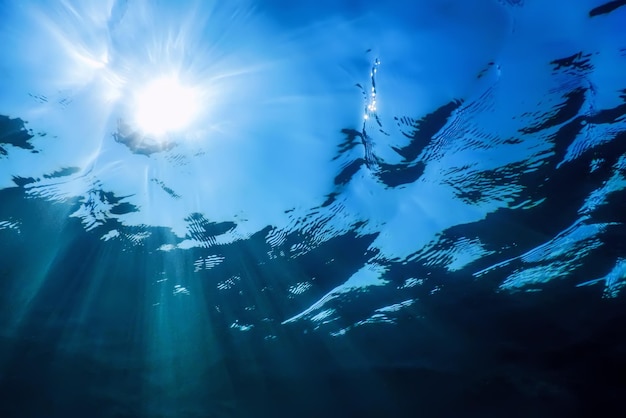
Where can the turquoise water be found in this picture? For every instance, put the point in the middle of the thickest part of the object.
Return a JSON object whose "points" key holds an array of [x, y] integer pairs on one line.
{"points": [[284, 209]]}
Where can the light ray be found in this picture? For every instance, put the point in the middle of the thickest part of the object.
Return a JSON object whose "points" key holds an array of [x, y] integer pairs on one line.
{"points": [[165, 105]]}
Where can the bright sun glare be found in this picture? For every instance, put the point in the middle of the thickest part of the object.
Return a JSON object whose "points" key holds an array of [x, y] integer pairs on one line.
{"points": [[164, 106]]}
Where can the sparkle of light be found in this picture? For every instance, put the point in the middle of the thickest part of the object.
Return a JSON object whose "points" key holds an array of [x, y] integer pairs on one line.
{"points": [[165, 106]]}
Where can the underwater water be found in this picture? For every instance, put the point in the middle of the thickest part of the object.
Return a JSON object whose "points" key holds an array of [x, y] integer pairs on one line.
{"points": [[312, 209]]}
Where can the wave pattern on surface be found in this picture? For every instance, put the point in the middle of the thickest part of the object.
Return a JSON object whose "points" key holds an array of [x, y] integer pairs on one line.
{"points": [[368, 207]]}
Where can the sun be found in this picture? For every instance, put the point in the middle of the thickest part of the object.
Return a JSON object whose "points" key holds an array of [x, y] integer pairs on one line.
{"points": [[164, 106]]}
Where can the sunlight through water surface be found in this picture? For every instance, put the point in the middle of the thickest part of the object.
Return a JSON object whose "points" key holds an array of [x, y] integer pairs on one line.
{"points": [[245, 208], [165, 105]]}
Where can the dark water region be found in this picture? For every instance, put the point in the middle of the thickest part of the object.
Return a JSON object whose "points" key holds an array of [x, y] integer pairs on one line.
{"points": [[464, 258], [607, 8], [87, 347], [14, 133]]}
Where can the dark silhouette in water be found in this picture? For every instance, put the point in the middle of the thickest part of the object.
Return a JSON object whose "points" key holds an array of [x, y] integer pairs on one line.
{"points": [[606, 8]]}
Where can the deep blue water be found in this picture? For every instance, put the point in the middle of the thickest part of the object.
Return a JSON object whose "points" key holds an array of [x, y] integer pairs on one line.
{"points": [[410, 209]]}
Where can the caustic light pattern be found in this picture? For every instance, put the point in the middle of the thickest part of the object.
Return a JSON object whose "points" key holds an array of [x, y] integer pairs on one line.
{"points": [[260, 190]]}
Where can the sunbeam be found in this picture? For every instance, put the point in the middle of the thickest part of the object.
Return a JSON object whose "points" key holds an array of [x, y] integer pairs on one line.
{"points": [[317, 209], [165, 105]]}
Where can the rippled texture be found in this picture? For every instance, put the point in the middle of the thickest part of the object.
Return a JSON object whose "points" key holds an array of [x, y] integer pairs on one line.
{"points": [[399, 209]]}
